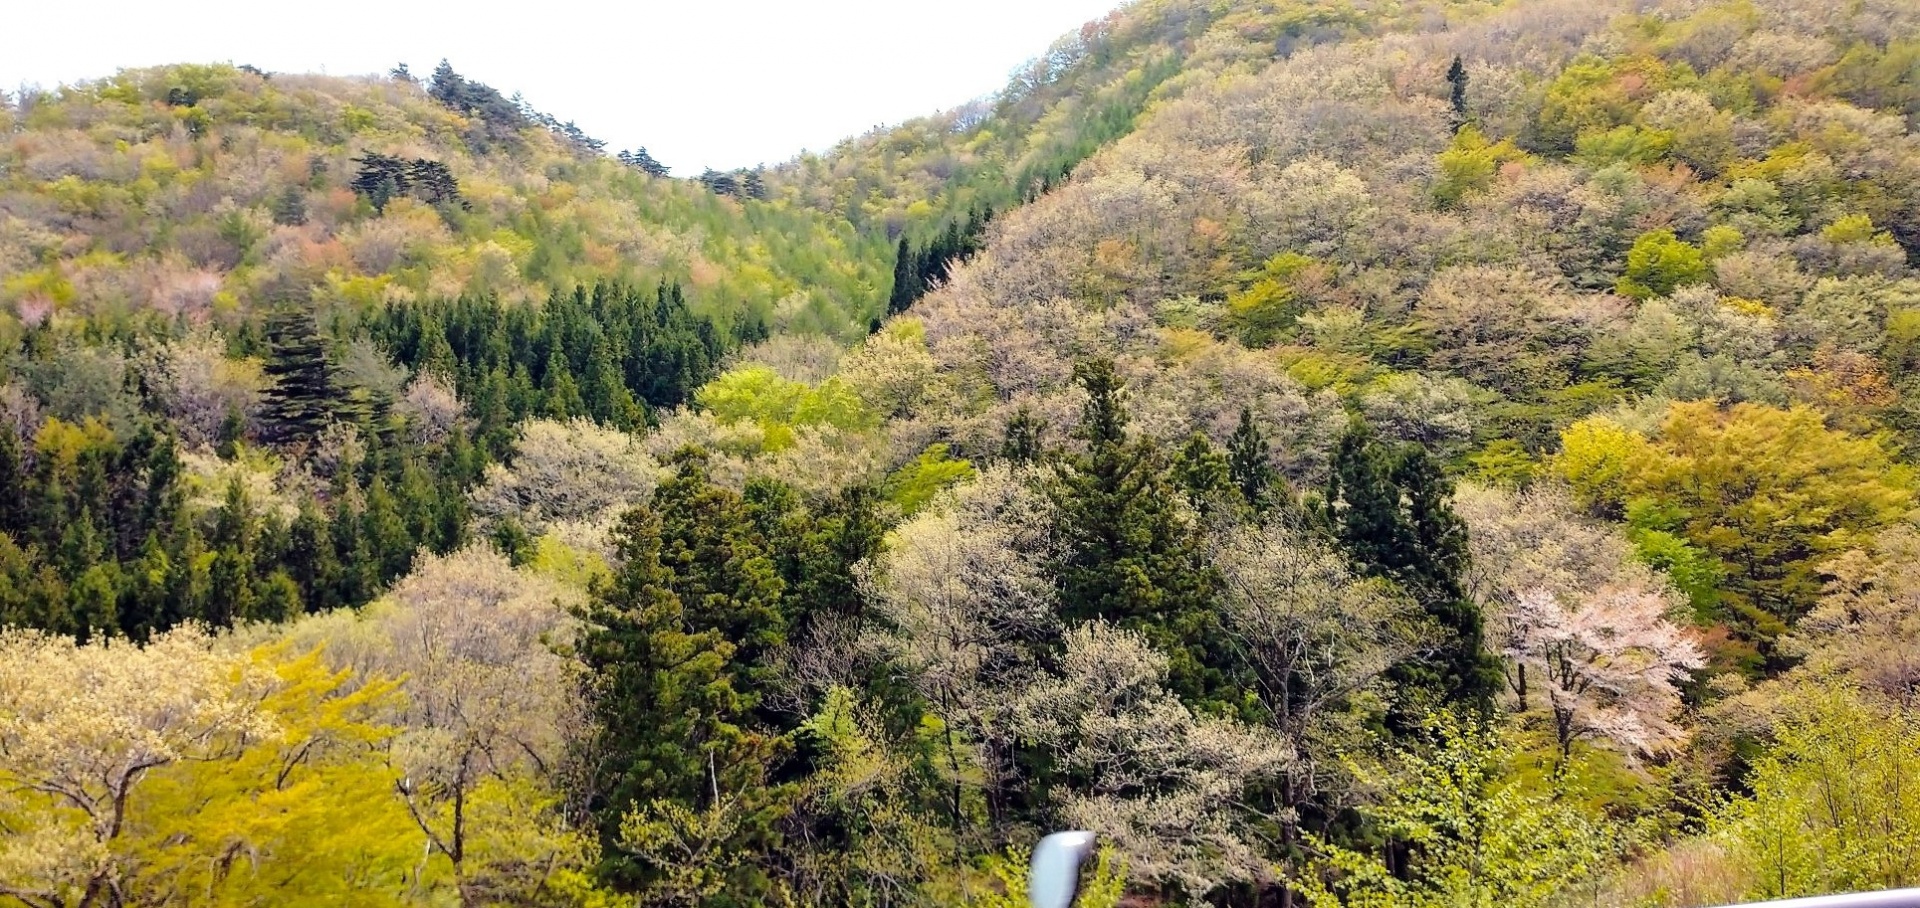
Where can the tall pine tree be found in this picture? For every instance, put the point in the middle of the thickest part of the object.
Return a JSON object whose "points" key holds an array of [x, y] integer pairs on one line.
{"points": [[1389, 509], [1249, 463], [674, 733], [1457, 91], [303, 395], [1134, 555]]}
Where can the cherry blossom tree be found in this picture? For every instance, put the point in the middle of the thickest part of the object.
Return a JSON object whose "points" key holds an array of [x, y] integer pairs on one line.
{"points": [[1606, 664]]}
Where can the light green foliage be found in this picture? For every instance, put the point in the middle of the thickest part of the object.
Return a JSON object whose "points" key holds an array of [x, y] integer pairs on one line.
{"points": [[1720, 240], [1660, 263], [1835, 803], [1482, 835], [1268, 306], [553, 556], [1692, 571], [1286, 212], [1593, 95], [1469, 166], [1724, 479], [913, 486], [104, 164], [1855, 228], [1623, 144], [1102, 884], [757, 394]]}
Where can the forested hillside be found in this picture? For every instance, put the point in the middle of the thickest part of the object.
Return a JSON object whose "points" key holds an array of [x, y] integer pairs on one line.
{"points": [[197, 190], [1432, 454]]}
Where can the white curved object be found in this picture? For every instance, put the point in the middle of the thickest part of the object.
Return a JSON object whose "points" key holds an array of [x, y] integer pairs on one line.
{"points": [[1054, 878]]}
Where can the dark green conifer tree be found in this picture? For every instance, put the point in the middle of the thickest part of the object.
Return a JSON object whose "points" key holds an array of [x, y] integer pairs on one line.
{"points": [[302, 398], [93, 600], [903, 279], [188, 578], [311, 561], [719, 564], [1022, 444], [380, 179], [384, 531], [1457, 91], [230, 594], [1250, 463], [14, 482], [1133, 556], [144, 600], [672, 726], [1202, 472], [1388, 508]]}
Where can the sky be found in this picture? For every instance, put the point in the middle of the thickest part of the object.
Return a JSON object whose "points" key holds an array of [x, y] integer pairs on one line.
{"points": [[714, 83]]}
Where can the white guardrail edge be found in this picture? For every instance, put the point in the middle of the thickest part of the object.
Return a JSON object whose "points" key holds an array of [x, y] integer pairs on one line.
{"points": [[1054, 880]]}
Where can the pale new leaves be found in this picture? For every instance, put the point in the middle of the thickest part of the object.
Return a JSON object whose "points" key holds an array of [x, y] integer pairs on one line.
{"points": [[81, 728], [1164, 786]]}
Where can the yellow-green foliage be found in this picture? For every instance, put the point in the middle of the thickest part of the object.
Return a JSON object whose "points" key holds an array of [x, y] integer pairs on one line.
{"points": [[1660, 263], [1483, 834], [1268, 306], [1470, 164], [313, 811], [1594, 95], [914, 485], [554, 556], [1767, 491], [1834, 804], [757, 394]]}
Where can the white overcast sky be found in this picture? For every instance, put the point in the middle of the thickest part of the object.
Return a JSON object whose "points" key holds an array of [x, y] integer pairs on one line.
{"points": [[721, 83]]}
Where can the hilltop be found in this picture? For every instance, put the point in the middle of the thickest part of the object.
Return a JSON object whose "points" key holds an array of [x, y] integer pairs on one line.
{"points": [[190, 190]]}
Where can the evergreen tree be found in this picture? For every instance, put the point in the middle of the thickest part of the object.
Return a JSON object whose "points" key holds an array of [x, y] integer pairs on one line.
{"points": [[233, 430], [447, 87], [187, 579], [816, 551], [673, 730], [1457, 93], [903, 279], [359, 570], [1022, 442], [380, 179], [1388, 508], [1203, 473], [145, 597], [230, 594], [303, 395], [640, 160], [434, 183], [93, 601], [1249, 462], [717, 561], [289, 208], [311, 562], [720, 183], [1133, 555], [14, 482], [80, 545], [384, 532]]}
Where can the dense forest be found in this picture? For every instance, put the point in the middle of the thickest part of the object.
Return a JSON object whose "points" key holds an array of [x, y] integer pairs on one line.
{"points": [[1434, 454]]}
